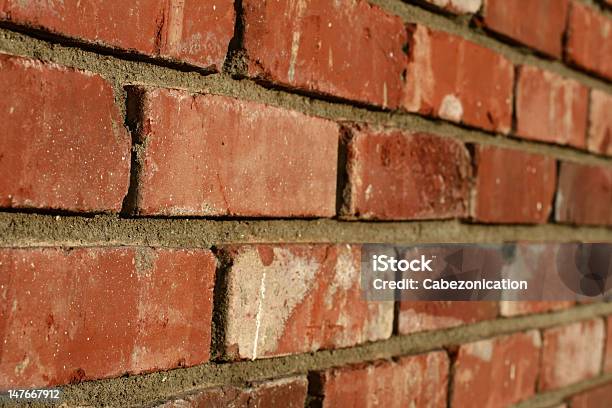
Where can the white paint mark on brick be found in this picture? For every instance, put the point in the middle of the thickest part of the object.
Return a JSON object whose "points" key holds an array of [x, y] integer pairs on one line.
{"points": [[451, 108]]}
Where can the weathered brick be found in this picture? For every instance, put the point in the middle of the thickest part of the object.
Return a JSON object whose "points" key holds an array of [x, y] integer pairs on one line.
{"points": [[589, 44], [598, 397], [414, 381], [347, 48], [551, 108], [458, 6], [70, 315], [517, 308], [584, 194], [285, 392], [397, 175], [194, 31], [458, 80], [537, 24], [420, 316], [214, 155], [600, 120], [512, 186], [607, 365], [496, 372], [571, 353], [286, 299], [62, 145]]}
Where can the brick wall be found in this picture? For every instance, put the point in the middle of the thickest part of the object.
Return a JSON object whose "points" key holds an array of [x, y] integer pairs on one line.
{"points": [[185, 185]]}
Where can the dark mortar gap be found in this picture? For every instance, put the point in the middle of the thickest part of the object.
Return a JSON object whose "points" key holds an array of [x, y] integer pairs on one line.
{"points": [[236, 58], [220, 297], [316, 384], [342, 179], [553, 204]]}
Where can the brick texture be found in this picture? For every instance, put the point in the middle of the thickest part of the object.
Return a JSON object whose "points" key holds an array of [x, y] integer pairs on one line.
{"points": [[347, 49], [433, 315], [607, 365], [537, 24], [599, 397], [458, 6], [588, 44], [415, 381], [457, 80], [512, 186], [584, 194], [72, 315], [550, 108], [288, 299], [397, 175], [496, 372], [194, 31], [63, 143], [571, 353], [214, 155], [600, 119]]}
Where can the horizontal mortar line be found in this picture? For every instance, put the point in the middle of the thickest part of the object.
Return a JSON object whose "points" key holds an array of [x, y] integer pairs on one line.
{"points": [[123, 72], [142, 389], [549, 399], [40, 230]]}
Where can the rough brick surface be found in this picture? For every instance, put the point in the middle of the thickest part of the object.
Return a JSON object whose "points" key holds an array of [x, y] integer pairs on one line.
{"points": [[551, 108], [517, 308], [571, 353], [348, 49], [512, 186], [600, 119], [584, 194], [457, 80], [458, 6], [537, 24], [420, 316], [63, 144], [286, 392], [288, 299], [195, 31], [396, 175], [589, 43], [599, 397], [496, 372], [415, 381], [214, 155], [70, 315], [607, 366]]}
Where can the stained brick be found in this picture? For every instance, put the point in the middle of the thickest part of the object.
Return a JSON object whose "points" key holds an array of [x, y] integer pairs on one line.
{"points": [[458, 6], [607, 365], [598, 397], [600, 119], [433, 315]]}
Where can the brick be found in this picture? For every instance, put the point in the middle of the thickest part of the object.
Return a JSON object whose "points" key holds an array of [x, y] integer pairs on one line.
{"points": [[598, 397], [63, 143], [496, 372], [584, 194], [286, 392], [458, 6], [457, 80], [88, 313], [434, 315], [214, 155], [537, 24], [347, 48], [287, 299], [517, 308], [607, 365], [571, 353], [398, 175], [600, 120], [512, 186], [194, 31], [414, 381], [588, 43], [550, 108]]}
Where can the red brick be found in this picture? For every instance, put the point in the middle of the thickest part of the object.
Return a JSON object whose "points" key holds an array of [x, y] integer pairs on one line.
{"points": [[599, 397], [195, 31], [550, 108], [457, 80], [421, 316], [418, 381], [71, 315], [345, 48], [214, 155], [517, 308], [63, 142], [512, 186], [537, 24], [607, 365], [589, 42], [397, 175], [496, 372], [600, 120], [584, 194], [286, 299], [571, 353], [458, 6], [286, 392]]}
